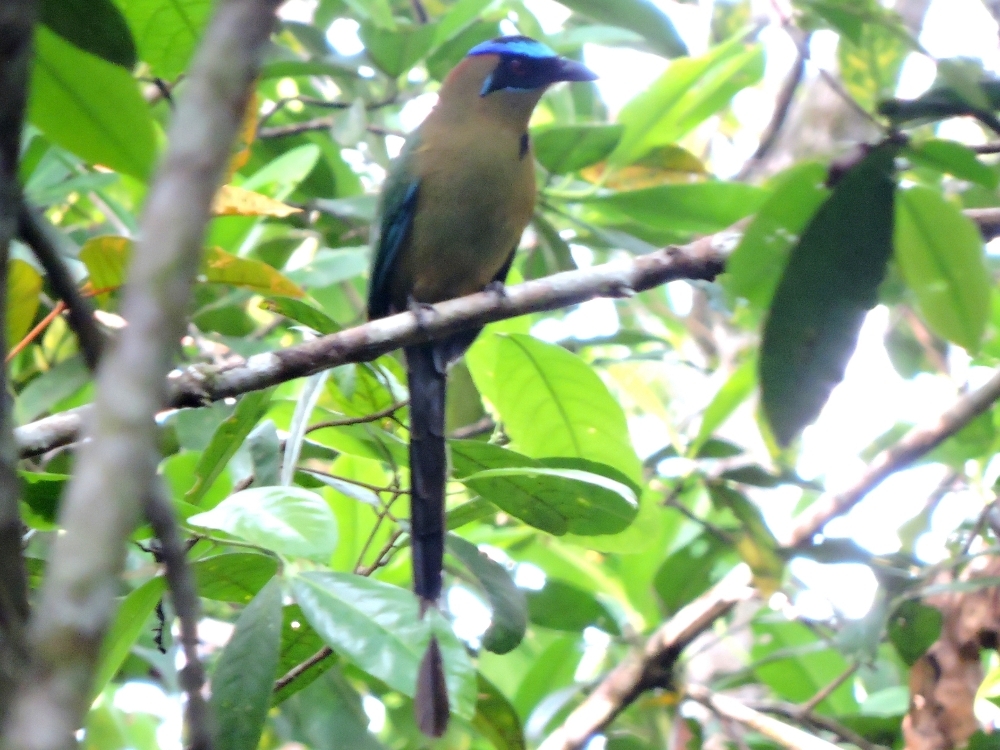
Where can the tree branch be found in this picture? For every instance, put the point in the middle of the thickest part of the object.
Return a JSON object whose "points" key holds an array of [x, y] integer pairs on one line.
{"points": [[628, 680], [187, 605], [17, 17], [652, 666], [198, 385], [783, 734], [34, 231], [116, 469], [201, 384], [916, 443]]}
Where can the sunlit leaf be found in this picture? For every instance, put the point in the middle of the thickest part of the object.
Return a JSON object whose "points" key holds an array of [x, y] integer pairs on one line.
{"points": [[24, 284], [940, 253], [224, 268], [90, 107], [378, 627], [291, 521], [236, 201]]}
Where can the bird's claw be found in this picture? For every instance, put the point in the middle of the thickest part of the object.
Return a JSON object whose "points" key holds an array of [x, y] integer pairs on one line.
{"points": [[423, 311], [498, 288]]}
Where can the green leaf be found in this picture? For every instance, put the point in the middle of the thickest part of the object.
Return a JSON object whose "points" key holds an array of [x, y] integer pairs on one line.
{"points": [[554, 500], [226, 440], [299, 642], [562, 606], [460, 15], [166, 31], [24, 284], [331, 266], [940, 253], [302, 313], [396, 51], [379, 628], [688, 572], [733, 392], [702, 208], [95, 26], [244, 676], [568, 148], [640, 16], [496, 719], [42, 492], [954, 159], [507, 605], [221, 267], [688, 92], [90, 107], [870, 69], [552, 403], [830, 283], [234, 576], [279, 177], [125, 629], [51, 387], [796, 665], [913, 628], [291, 521], [755, 267]]}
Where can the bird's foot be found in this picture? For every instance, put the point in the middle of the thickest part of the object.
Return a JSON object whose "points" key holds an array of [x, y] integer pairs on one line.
{"points": [[496, 287], [423, 311]]}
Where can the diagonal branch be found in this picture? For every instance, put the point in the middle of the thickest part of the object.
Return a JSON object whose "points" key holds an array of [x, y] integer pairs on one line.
{"points": [[116, 468], [41, 238], [200, 384], [16, 20], [628, 680]]}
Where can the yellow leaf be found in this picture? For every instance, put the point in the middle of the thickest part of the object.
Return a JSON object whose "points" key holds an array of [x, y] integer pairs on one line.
{"points": [[246, 137], [224, 268], [106, 259], [663, 165], [235, 201], [24, 284]]}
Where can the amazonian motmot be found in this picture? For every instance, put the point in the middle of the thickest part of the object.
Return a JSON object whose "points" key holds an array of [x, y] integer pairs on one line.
{"points": [[453, 208]]}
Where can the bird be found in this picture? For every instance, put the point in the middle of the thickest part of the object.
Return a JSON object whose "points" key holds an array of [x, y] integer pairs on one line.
{"points": [[452, 210]]}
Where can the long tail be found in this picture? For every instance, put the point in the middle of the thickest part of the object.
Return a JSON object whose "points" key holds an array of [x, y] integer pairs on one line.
{"points": [[426, 371]]}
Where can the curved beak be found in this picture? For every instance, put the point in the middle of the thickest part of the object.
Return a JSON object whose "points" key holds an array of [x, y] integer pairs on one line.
{"points": [[571, 70]]}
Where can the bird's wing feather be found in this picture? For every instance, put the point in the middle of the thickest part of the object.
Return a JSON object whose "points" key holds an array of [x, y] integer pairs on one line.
{"points": [[399, 204]]}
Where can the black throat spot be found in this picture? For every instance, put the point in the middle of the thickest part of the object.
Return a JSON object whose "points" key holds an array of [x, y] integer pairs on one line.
{"points": [[525, 144]]}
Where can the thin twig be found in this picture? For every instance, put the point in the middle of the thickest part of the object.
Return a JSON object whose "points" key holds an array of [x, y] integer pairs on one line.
{"points": [[384, 555], [916, 443], [299, 669], [187, 606], [35, 233], [816, 721], [783, 734], [821, 695], [479, 427], [782, 106], [36, 331], [373, 417]]}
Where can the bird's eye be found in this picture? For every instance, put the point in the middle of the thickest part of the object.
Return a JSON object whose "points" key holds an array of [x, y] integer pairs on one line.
{"points": [[517, 67]]}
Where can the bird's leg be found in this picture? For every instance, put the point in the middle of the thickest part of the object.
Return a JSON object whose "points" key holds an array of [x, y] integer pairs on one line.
{"points": [[423, 311], [496, 287]]}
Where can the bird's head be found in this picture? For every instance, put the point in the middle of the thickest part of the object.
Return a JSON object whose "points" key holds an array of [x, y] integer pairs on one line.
{"points": [[523, 64], [504, 78]]}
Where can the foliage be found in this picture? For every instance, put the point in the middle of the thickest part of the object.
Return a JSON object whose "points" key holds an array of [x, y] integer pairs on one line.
{"points": [[617, 478]]}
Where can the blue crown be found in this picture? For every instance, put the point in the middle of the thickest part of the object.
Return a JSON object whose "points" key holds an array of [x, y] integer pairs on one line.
{"points": [[513, 45]]}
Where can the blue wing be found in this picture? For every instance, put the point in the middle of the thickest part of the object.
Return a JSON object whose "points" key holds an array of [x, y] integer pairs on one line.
{"points": [[398, 207]]}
